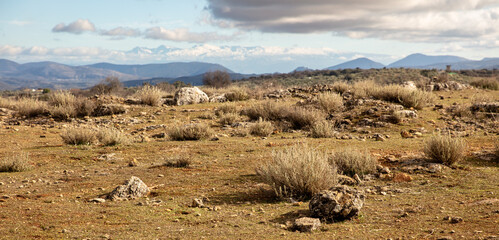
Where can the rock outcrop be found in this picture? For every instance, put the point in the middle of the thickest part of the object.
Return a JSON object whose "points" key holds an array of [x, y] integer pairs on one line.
{"points": [[190, 95], [336, 204], [131, 189]]}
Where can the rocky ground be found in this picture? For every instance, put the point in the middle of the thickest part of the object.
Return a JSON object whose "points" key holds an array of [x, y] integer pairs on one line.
{"points": [[71, 191]]}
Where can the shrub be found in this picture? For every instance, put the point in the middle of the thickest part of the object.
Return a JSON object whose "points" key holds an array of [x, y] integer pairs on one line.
{"points": [[111, 137], [228, 118], [303, 118], [17, 163], [416, 99], [330, 102], [271, 111], [30, 107], [226, 108], [78, 136], [323, 129], [84, 107], [261, 128], [62, 112], [190, 132], [298, 171], [351, 162], [237, 94], [444, 149], [178, 163], [110, 85], [340, 87], [61, 98], [150, 95], [486, 83], [6, 103], [217, 79]]}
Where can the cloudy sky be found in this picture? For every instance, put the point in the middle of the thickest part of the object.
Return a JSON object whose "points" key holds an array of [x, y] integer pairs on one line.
{"points": [[246, 36]]}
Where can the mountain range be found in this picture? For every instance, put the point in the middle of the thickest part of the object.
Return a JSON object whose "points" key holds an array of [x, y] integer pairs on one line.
{"points": [[55, 75]]}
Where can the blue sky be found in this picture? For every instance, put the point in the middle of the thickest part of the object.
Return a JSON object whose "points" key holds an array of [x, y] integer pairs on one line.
{"points": [[246, 36]]}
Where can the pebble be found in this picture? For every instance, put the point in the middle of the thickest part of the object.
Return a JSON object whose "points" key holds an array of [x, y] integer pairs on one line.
{"points": [[98, 200]]}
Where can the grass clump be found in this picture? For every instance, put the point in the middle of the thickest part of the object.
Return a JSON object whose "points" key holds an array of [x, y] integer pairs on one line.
{"points": [[297, 117], [261, 128], [178, 163], [298, 171], [486, 83], [78, 136], [301, 118], [351, 162], [228, 118], [323, 129], [150, 95], [17, 163], [190, 132], [237, 94], [226, 108], [111, 137], [444, 149], [31, 107], [330, 102]]}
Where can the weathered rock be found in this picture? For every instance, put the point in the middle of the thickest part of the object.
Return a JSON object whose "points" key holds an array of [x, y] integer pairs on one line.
{"points": [[410, 85], [197, 202], [406, 134], [132, 188], [346, 180], [407, 113], [97, 200], [218, 99], [337, 204], [402, 177], [306, 224], [190, 95]]}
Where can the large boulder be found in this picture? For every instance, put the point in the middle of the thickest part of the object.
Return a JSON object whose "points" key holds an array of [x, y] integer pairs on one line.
{"points": [[336, 204], [190, 95], [131, 189]]}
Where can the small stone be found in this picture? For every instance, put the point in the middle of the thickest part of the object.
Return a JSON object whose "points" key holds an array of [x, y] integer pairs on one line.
{"points": [[198, 203], [98, 200], [161, 175], [306, 224], [456, 220]]}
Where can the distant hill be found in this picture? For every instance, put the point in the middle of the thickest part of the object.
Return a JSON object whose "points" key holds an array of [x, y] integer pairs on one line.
{"points": [[165, 70], [486, 63], [301, 69], [362, 63], [56, 75], [418, 60], [196, 80]]}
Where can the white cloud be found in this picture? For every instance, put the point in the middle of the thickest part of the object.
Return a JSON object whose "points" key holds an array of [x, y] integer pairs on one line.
{"points": [[409, 20], [121, 32], [77, 27], [8, 50]]}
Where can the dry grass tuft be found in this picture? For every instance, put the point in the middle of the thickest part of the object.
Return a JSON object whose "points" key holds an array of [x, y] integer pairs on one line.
{"points": [[298, 117], [228, 118], [301, 118], [17, 163], [190, 132], [237, 94], [31, 107], [445, 149], [78, 136], [111, 137], [486, 83], [351, 162], [61, 98], [150, 95], [261, 128], [226, 108], [298, 171], [330, 102], [6, 103], [323, 129], [180, 162]]}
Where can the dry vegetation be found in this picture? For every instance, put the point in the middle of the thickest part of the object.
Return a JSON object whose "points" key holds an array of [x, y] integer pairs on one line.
{"points": [[254, 161]]}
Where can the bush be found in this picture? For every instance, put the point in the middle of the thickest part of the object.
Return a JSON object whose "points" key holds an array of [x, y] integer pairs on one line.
{"points": [[150, 95], [444, 149], [190, 132], [62, 112], [351, 162], [84, 107], [486, 83], [323, 129], [111, 137], [228, 118], [78, 136], [226, 108], [237, 94], [6, 103], [298, 171], [31, 107], [110, 85], [61, 98], [298, 117], [301, 118], [330, 102], [17, 163], [217, 79], [261, 128]]}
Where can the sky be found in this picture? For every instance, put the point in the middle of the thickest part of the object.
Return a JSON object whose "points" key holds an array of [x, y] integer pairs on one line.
{"points": [[253, 36]]}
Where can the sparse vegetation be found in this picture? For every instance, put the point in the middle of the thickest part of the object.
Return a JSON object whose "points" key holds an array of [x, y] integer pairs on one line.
{"points": [[15, 163], [444, 149], [323, 129], [228, 118], [486, 83], [150, 95], [78, 136], [352, 161], [180, 162], [226, 108], [330, 102], [190, 132], [261, 128], [30, 107], [298, 171], [111, 136]]}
